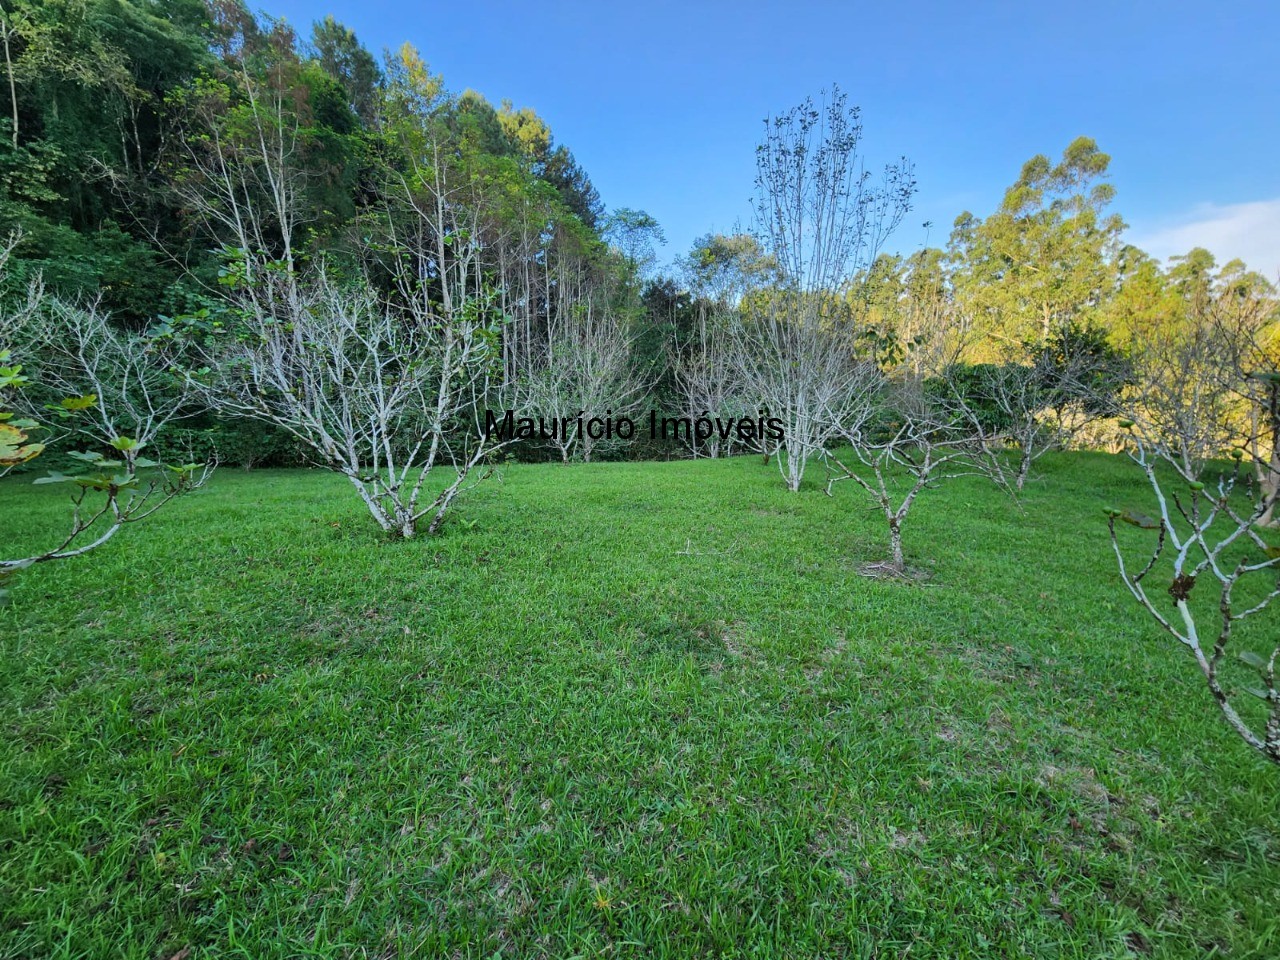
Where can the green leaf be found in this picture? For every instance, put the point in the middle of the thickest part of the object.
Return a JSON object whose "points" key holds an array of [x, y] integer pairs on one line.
{"points": [[96, 459], [124, 443], [79, 403]]}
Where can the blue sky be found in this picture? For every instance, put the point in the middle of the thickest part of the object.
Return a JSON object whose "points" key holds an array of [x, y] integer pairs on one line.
{"points": [[662, 102]]}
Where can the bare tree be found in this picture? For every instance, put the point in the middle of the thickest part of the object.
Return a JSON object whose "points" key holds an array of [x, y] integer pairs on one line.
{"points": [[237, 168], [1035, 407], [1208, 532], [1011, 398], [719, 271], [586, 370], [1206, 389], [381, 376], [707, 382], [909, 433], [76, 354], [381, 391], [1203, 384], [911, 424], [805, 374], [90, 381], [822, 218], [1240, 316]]}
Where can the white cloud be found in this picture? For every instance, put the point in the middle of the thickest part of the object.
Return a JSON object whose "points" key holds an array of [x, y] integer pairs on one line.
{"points": [[1248, 231]]}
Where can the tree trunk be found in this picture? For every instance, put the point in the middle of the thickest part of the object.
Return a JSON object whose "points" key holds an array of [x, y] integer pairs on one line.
{"points": [[1268, 483], [895, 544], [1269, 476], [795, 471], [13, 90]]}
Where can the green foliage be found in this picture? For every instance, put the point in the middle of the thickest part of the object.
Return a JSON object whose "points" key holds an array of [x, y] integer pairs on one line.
{"points": [[979, 385], [1080, 364], [16, 447], [341, 56], [1047, 256], [110, 93]]}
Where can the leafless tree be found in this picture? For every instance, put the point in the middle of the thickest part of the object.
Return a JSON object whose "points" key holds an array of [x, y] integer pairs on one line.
{"points": [[379, 390], [586, 370], [1241, 317], [382, 376], [243, 182], [707, 382], [719, 272], [1037, 397], [1206, 384], [909, 433], [807, 374], [73, 351], [88, 380], [822, 217], [1207, 531], [1207, 390], [911, 425], [1013, 400]]}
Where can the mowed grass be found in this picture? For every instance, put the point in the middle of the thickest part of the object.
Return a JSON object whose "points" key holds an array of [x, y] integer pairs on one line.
{"points": [[618, 710]]}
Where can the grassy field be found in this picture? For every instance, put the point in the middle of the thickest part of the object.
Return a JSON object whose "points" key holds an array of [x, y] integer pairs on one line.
{"points": [[618, 710]]}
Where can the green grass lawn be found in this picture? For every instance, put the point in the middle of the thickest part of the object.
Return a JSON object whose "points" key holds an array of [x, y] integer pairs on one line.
{"points": [[618, 710]]}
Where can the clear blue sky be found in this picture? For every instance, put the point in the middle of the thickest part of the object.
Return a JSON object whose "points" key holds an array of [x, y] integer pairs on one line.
{"points": [[662, 102]]}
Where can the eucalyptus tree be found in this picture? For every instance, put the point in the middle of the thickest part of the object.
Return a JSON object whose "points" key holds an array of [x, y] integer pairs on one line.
{"points": [[636, 236], [1048, 254]]}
